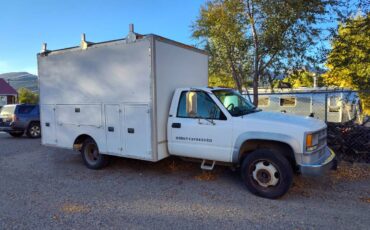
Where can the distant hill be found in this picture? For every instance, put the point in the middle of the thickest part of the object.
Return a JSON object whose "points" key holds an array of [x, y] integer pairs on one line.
{"points": [[21, 80]]}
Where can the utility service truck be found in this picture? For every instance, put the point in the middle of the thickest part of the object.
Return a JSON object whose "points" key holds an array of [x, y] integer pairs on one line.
{"points": [[146, 97]]}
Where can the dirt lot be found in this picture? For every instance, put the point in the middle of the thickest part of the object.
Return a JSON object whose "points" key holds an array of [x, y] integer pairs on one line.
{"points": [[48, 188]]}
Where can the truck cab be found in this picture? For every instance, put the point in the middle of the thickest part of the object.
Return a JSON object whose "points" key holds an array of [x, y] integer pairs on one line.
{"points": [[218, 125]]}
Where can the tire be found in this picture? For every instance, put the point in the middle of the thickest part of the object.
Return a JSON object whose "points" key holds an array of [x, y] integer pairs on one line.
{"points": [[267, 173], [16, 134], [34, 130], [91, 156]]}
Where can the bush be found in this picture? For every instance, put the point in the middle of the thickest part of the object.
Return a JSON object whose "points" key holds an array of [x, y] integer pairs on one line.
{"points": [[26, 96]]}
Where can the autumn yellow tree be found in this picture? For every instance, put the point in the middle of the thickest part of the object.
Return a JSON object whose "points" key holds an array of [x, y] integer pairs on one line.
{"points": [[349, 59]]}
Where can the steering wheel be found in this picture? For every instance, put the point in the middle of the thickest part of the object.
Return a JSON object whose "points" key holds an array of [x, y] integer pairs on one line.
{"points": [[231, 106]]}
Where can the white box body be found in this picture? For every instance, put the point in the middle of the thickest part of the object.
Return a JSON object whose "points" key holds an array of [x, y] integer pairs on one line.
{"points": [[116, 92]]}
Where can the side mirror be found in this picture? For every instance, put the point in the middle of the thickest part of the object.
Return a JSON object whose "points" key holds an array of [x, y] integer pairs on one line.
{"points": [[191, 104]]}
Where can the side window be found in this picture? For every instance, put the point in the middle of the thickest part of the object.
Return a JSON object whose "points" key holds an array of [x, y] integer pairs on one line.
{"points": [[206, 107], [25, 109], [263, 101], [334, 104], [288, 101]]}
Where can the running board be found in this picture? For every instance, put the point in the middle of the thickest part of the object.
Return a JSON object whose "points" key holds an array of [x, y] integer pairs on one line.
{"points": [[207, 165]]}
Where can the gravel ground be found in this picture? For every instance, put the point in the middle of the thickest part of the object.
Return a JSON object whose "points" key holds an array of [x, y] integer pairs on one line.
{"points": [[49, 188]]}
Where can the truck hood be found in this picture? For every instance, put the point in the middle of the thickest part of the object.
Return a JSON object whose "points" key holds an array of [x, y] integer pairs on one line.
{"points": [[284, 120]]}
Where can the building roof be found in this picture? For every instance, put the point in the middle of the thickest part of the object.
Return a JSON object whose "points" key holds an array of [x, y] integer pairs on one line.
{"points": [[6, 89]]}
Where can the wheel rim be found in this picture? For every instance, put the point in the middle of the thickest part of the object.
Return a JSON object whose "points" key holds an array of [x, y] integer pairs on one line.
{"points": [[35, 130], [265, 174], [91, 153]]}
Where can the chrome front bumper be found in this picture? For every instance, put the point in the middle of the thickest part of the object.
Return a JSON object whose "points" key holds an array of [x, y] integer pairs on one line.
{"points": [[326, 163]]}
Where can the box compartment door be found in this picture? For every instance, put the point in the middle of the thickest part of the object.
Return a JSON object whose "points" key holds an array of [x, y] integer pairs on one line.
{"points": [[113, 129], [48, 125], [137, 135]]}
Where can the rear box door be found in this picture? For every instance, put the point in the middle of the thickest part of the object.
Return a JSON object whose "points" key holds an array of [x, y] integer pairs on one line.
{"points": [[48, 129]]}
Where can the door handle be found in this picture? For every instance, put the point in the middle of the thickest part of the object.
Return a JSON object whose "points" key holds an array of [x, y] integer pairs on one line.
{"points": [[111, 129], [176, 125]]}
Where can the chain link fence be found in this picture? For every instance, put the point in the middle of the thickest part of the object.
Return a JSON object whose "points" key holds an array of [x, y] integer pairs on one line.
{"points": [[342, 109]]}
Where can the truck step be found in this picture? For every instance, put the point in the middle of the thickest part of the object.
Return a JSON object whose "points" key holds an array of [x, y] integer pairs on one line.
{"points": [[207, 165]]}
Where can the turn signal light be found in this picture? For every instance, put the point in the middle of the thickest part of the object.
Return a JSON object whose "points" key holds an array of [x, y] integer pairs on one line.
{"points": [[309, 140], [14, 118]]}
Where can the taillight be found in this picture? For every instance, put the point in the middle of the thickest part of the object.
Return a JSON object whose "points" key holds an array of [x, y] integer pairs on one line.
{"points": [[14, 118]]}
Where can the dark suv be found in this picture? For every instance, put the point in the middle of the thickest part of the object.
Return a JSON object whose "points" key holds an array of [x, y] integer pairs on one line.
{"points": [[19, 119]]}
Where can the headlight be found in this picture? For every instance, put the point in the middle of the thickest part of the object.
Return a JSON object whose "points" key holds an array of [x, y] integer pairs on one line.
{"points": [[312, 141]]}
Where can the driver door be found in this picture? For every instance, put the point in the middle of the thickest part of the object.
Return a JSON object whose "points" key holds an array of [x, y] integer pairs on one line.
{"points": [[203, 132]]}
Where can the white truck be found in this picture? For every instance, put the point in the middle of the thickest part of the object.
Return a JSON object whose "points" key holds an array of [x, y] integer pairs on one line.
{"points": [[145, 97]]}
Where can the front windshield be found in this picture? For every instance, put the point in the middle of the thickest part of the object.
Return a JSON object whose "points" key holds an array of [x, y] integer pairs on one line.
{"points": [[234, 102]]}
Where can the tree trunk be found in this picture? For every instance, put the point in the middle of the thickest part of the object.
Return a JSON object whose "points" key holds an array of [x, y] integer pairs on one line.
{"points": [[256, 52], [271, 82], [237, 81], [255, 88], [237, 78]]}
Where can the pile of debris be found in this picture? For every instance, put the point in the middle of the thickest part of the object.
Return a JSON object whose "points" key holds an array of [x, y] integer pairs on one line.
{"points": [[350, 141]]}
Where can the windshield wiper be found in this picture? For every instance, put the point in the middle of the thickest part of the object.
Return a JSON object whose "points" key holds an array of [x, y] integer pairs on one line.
{"points": [[254, 110]]}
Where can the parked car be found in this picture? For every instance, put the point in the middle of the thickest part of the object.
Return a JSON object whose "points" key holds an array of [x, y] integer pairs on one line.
{"points": [[18, 119]]}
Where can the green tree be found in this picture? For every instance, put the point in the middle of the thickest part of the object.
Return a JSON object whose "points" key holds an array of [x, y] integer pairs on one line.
{"points": [[26, 96], [221, 27], [252, 37], [349, 60]]}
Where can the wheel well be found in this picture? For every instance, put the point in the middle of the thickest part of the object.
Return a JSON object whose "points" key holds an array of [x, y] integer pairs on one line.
{"points": [[77, 145], [251, 145], [31, 122]]}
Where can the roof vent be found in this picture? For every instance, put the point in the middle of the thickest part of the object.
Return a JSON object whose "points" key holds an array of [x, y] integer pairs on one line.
{"points": [[131, 37]]}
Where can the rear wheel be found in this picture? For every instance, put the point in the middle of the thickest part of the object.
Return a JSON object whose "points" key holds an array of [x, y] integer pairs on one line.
{"points": [[91, 155], [267, 173], [34, 130], [16, 134]]}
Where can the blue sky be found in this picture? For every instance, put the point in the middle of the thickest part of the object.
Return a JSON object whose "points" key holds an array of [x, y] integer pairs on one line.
{"points": [[25, 25]]}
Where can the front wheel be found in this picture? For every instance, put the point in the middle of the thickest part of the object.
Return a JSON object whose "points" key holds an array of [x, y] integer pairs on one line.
{"points": [[91, 155], [267, 173]]}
